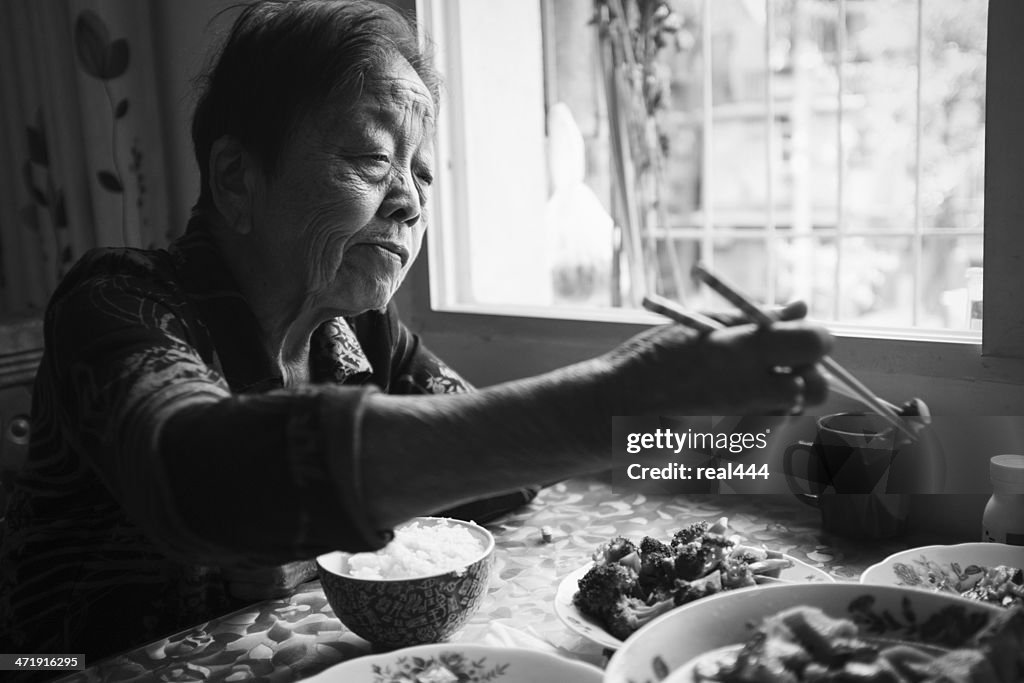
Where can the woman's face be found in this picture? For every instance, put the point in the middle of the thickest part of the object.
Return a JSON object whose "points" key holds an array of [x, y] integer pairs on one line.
{"points": [[344, 210]]}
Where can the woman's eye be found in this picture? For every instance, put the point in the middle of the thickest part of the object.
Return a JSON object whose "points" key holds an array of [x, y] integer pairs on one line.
{"points": [[379, 158], [425, 177]]}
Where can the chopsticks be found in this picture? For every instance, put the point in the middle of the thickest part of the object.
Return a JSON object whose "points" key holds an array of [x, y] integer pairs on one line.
{"points": [[839, 375], [673, 311]]}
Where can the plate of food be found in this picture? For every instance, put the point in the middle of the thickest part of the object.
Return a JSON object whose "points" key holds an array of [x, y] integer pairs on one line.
{"points": [[629, 583], [822, 632], [449, 662], [989, 572]]}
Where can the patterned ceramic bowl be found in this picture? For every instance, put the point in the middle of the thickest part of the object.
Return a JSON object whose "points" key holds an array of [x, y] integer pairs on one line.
{"points": [[392, 613], [461, 662], [669, 647], [949, 569]]}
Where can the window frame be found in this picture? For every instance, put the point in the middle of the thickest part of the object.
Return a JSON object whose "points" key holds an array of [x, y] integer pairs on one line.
{"points": [[992, 371]]}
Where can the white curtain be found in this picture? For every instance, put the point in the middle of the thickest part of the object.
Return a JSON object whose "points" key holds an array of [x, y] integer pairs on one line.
{"points": [[81, 146]]}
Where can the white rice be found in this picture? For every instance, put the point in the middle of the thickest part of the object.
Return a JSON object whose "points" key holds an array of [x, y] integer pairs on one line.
{"points": [[419, 550]]}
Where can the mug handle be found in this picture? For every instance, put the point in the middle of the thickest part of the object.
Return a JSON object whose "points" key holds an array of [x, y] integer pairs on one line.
{"points": [[791, 479]]}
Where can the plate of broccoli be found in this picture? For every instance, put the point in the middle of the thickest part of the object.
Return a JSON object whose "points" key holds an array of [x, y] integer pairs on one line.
{"points": [[630, 583]]}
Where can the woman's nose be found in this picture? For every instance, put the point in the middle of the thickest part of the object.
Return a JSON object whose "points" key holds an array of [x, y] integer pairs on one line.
{"points": [[402, 202]]}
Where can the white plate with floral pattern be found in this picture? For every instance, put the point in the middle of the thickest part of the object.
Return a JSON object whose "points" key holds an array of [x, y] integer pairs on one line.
{"points": [[462, 662], [591, 629], [943, 568]]}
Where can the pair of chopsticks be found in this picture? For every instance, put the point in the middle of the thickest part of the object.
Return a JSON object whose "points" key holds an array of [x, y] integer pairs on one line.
{"points": [[840, 378]]}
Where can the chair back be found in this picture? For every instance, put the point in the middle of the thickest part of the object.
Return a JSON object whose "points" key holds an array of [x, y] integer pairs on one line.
{"points": [[21, 348]]}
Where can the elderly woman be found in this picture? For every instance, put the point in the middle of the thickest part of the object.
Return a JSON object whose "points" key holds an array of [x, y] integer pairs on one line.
{"points": [[248, 397]]}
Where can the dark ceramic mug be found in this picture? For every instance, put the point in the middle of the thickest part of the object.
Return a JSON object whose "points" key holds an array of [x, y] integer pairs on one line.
{"points": [[859, 471]]}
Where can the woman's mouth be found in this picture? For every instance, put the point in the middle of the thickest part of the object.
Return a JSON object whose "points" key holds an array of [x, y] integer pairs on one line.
{"points": [[390, 249]]}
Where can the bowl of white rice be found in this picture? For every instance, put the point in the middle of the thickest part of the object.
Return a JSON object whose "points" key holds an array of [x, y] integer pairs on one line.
{"points": [[421, 587]]}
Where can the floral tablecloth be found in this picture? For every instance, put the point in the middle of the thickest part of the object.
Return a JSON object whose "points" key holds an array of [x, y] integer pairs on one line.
{"points": [[296, 637]]}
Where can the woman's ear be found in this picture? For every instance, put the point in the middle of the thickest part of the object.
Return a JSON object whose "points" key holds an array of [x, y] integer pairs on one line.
{"points": [[232, 175]]}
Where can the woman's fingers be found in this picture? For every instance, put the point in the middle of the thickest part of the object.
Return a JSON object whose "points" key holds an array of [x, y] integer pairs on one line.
{"points": [[785, 344], [792, 352], [795, 310], [815, 384], [783, 392]]}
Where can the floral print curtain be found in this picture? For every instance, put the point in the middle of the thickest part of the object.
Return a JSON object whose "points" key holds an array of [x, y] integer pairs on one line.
{"points": [[81, 148]]}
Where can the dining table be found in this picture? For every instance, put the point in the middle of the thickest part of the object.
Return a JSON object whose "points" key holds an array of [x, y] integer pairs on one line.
{"points": [[536, 547]]}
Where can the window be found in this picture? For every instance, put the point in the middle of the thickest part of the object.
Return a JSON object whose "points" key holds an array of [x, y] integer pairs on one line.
{"points": [[746, 205], [832, 151]]}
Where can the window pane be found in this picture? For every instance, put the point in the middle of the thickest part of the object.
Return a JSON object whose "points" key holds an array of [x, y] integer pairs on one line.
{"points": [[807, 271], [740, 260], [880, 69], [951, 282], [876, 280], [953, 114]]}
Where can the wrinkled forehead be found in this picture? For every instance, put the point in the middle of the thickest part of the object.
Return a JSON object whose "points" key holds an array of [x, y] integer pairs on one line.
{"points": [[394, 99], [398, 99]]}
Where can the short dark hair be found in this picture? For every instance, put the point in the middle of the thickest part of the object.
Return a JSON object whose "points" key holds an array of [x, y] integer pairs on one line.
{"points": [[282, 59]]}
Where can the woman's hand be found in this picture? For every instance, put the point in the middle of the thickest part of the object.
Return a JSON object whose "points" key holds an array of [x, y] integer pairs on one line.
{"points": [[743, 369]]}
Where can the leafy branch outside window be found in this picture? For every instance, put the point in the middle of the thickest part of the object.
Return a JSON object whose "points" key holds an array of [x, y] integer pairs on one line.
{"points": [[634, 36]]}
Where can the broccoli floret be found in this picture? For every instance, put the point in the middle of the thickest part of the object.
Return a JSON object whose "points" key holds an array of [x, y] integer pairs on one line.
{"points": [[662, 592], [718, 540], [649, 545], [602, 587], [747, 554], [736, 573], [629, 614], [614, 550], [692, 561], [718, 546], [656, 564], [689, 534], [688, 591]]}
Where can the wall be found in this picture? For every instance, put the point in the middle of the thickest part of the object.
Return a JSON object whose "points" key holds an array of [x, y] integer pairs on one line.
{"points": [[184, 31]]}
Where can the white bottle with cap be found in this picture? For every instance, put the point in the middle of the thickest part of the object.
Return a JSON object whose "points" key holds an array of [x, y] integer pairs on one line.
{"points": [[1003, 521]]}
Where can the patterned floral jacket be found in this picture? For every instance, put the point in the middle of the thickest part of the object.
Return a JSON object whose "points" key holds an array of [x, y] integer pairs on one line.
{"points": [[152, 370]]}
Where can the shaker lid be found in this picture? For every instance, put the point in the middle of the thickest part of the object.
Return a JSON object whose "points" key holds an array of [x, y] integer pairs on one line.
{"points": [[1008, 469]]}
